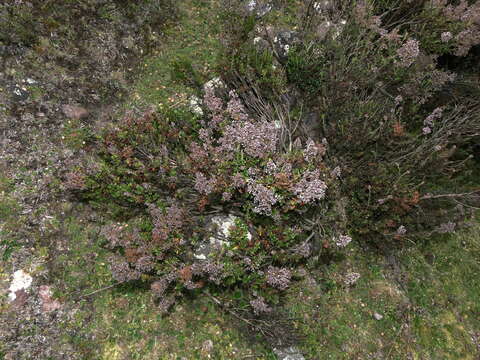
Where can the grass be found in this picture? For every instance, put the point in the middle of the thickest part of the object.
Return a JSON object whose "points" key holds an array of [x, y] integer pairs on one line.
{"points": [[10, 218], [190, 50], [428, 297]]}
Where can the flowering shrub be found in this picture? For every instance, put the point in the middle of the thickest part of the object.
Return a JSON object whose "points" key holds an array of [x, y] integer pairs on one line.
{"points": [[379, 158], [175, 168], [408, 53]]}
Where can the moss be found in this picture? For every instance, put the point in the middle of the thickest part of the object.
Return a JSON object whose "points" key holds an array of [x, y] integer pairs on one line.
{"points": [[428, 304]]}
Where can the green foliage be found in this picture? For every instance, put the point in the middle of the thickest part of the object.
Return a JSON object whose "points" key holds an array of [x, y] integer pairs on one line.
{"points": [[135, 160], [306, 70], [183, 70], [10, 218], [257, 67]]}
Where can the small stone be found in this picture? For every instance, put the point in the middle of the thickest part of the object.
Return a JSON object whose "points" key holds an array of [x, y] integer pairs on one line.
{"points": [[289, 353], [74, 112], [48, 303], [283, 42], [377, 316], [220, 226], [215, 83], [19, 93], [351, 278], [195, 107], [128, 43], [261, 44], [21, 280], [21, 298], [207, 346]]}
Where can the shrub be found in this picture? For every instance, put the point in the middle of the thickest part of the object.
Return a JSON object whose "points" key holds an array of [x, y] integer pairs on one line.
{"points": [[174, 169], [384, 163], [376, 85]]}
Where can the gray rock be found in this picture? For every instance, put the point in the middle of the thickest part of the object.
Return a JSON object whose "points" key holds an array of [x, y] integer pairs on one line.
{"points": [[128, 43], [195, 105], [19, 93], [260, 9], [323, 6], [261, 44], [220, 228], [289, 353], [283, 42], [74, 112], [377, 316]]}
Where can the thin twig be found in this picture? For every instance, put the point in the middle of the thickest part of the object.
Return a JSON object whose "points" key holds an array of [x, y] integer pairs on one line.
{"points": [[430, 196], [393, 342], [99, 290], [230, 311]]}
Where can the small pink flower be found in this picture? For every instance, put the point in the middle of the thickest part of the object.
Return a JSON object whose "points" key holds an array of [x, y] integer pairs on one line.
{"points": [[426, 130], [446, 36], [343, 240]]}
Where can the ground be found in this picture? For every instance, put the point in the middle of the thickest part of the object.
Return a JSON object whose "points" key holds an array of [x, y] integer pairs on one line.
{"points": [[419, 303]]}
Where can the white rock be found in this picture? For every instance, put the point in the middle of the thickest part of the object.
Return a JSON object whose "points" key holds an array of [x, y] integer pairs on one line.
{"points": [[290, 353], [199, 256], [214, 84], [207, 346], [377, 316], [260, 10], [321, 6], [195, 107], [222, 225], [21, 280]]}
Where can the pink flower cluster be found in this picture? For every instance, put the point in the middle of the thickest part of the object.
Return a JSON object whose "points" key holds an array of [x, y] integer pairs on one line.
{"points": [[264, 198], [278, 278], [258, 139], [408, 53], [310, 187], [429, 121]]}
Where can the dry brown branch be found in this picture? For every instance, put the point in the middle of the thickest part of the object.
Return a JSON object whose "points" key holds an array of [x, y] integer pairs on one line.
{"points": [[438, 196]]}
